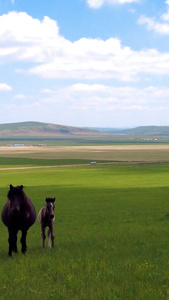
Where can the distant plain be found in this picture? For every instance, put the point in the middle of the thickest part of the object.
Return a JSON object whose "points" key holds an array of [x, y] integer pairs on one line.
{"points": [[100, 153]]}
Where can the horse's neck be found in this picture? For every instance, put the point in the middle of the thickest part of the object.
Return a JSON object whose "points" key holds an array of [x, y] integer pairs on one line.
{"points": [[45, 210]]}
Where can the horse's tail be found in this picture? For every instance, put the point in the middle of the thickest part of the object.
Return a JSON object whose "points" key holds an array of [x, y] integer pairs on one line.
{"points": [[40, 215]]}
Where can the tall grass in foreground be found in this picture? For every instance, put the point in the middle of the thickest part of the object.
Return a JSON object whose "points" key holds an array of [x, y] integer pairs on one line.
{"points": [[111, 235]]}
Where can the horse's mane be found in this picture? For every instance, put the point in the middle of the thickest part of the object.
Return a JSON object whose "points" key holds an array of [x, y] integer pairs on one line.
{"points": [[16, 190]]}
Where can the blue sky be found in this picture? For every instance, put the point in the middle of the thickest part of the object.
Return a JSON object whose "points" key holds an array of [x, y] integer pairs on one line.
{"points": [[99, 63]]}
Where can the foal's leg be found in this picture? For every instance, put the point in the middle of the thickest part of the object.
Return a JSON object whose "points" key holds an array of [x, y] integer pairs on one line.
{"points": [[23, 241], [43, 236], [51, 235]]}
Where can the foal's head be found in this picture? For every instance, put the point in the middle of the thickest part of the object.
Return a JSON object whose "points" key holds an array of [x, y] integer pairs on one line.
{"points": [[50, 207], [16, 199]]}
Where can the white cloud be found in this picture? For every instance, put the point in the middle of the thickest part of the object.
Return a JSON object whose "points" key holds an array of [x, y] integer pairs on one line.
{"points": [[106, 105], [99, 3], [47, 91], [95, 3], [99, 97], [114, 61], [93, 105], [23, 38], [20, 96], [80, 87], [161, 27], [5, 87]]}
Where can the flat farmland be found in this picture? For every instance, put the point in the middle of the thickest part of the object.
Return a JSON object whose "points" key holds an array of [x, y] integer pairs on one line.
{"points": [[151, 153]]}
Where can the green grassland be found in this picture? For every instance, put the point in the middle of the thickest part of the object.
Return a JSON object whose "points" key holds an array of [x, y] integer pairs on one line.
{"points": [[111, 234], [8, 162], [73, 140]]}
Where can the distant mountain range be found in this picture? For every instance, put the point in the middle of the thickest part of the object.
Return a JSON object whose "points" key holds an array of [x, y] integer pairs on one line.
{"points": [[147, 131], [38, 129]]}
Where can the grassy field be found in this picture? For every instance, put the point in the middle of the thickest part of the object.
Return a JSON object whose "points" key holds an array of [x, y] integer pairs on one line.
{"points": [[111, 234]]}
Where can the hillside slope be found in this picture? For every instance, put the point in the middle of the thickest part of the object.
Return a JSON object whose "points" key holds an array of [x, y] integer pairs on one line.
{"points": [[147, 131], [38, 129]]}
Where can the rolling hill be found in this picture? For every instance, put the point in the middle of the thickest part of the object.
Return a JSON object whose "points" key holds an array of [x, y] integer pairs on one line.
{"points": [[38, 129], [146, 131]]}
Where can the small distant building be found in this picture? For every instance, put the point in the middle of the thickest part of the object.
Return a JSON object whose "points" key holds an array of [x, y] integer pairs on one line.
{"points": [[17, 145]]}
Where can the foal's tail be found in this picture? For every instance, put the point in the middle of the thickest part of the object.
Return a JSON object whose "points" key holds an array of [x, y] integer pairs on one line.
{"points": [[40, 216]]}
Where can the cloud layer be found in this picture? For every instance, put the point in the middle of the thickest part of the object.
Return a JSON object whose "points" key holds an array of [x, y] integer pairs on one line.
{"points": [[161, 26], [99, 97], [99, 3], [94, 104], [23, 38], [35, 48], [5, 87]]}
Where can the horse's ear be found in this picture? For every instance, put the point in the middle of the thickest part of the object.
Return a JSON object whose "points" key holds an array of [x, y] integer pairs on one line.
{"points": [[21, 187], [52, 200], [11, 186]]}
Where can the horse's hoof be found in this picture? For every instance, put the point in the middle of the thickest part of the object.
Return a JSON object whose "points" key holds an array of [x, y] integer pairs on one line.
{"points": [[24, 251], [15, 250]]}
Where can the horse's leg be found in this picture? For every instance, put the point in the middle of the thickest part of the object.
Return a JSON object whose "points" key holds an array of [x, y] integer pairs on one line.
{"points": [[52, 235], [49, 236], [15, 245], [43, 236], [10, 247], [12, 240], [23, 241]]}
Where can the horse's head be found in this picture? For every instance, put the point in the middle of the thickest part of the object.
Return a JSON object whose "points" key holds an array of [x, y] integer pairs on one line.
{"points": [[16, 199], [50, 207]]}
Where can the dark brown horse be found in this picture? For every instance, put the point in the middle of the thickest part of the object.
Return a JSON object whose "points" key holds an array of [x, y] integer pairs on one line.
{"points": [[18, 214], [46, 218]]}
